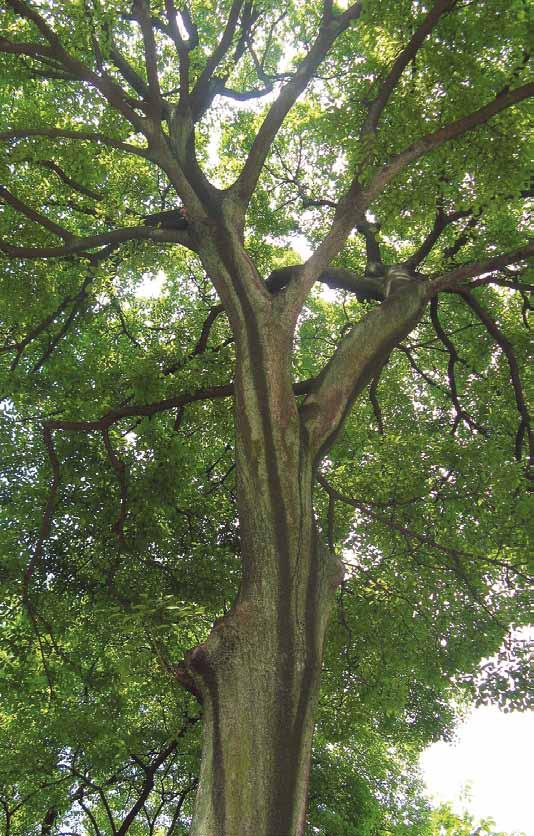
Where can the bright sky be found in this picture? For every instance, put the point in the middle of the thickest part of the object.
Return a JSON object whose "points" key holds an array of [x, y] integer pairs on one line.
{"points": [[494, 753]]}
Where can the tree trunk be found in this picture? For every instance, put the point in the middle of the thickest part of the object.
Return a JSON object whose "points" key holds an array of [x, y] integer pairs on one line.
{"points": [[258, 672]]}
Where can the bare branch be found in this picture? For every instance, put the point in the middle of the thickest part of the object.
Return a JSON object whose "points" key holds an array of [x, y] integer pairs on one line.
{"points": [[181, 798]]}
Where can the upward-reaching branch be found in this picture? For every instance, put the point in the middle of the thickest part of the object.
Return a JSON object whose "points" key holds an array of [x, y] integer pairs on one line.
{"points": [[328, 33], [351, 209], [142, 15], [200, 93], [362, 352], [441, 222], [182, 47], [378, 104], [431, 141], [109, 88], [358, 357]]}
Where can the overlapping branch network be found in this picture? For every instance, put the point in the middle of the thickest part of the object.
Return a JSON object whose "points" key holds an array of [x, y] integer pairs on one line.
{"points": [[158, 126]]}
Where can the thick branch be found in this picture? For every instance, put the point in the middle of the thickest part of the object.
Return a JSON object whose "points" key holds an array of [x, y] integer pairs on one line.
{"points": [[243, 95], [351, 209], [337, 278], [142, 14], [182, 47], [431, 141], [246, 182], [461, 274], [111, 91], [146, 410], [356, 360], [128, 73], [200, 94], [32, 50], [115, 236], [83, 136]]}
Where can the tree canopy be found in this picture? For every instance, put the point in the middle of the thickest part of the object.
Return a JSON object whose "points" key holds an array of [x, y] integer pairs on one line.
{"points": [[363, 170]]}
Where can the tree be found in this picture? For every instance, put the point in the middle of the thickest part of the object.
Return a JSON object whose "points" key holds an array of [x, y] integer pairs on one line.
{"points": [[243, 446], [445, 821]]}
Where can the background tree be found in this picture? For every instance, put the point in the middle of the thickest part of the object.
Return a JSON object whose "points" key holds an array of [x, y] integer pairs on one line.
{"points": [[220, 449], [445, 822]]}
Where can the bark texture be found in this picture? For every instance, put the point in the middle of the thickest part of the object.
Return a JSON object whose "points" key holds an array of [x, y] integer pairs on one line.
{"points": [[259, 671]]}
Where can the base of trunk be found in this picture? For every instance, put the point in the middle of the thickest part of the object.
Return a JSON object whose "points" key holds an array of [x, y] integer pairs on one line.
{"points": [[259, 679]]}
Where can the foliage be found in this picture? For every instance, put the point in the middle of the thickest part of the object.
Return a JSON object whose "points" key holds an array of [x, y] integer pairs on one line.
{"points": [[446, 822], [119, 540]]}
